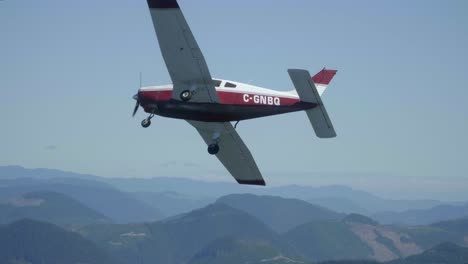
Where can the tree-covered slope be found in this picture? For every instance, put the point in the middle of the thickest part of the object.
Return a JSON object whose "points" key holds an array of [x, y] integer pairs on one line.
{"points": [[230, 250], [51, 207], [179, 239], [119, 206], [354, 237], [326, 240], [30, 241], [281, 214], [428, 236], [445, 253]]}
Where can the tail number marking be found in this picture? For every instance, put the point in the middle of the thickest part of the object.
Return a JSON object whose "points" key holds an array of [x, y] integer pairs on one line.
{"points": [[262, 99]]}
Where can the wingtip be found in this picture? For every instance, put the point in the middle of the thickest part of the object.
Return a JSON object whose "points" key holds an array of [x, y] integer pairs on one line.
{"points": [[162, 4], [260, 182]]}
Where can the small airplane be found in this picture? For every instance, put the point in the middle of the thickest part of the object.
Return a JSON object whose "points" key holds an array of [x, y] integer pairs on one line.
{"points": [[210, 105]]}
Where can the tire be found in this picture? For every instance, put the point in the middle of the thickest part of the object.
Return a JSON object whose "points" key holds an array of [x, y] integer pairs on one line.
{"points": [[145, 123], [213, 149], [185, 95]]}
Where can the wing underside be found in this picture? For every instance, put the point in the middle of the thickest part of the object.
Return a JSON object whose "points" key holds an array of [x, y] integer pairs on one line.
{"points": [[233, 153], [183, 57]]}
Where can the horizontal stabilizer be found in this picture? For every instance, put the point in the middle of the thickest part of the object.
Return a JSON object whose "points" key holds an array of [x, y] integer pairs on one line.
{"points": [[308, 92]]}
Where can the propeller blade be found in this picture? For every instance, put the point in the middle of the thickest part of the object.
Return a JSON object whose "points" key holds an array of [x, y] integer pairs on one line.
{"points": [[136, 108], [136, 105]]}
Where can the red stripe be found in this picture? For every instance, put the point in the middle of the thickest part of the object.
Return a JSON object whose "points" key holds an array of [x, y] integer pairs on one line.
{"points": [[225, 97], [155, 95]]}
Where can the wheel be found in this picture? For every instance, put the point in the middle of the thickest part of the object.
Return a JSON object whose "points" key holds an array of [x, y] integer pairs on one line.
{"points": [[185, 95], [145, 122], [213, 149]]}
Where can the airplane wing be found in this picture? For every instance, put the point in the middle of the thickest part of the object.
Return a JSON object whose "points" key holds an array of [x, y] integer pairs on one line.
{"points": [[184, 60], [233, 153]]}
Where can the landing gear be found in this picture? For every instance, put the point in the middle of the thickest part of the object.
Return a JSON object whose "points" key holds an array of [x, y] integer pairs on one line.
{"points": [[186, 95], [213, 149], [147, 121]]}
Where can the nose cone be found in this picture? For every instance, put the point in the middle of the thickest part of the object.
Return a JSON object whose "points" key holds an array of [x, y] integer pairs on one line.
{"points": [[140, 96]]}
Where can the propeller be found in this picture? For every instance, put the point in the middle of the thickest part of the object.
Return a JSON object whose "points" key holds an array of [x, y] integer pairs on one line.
{"points": [[137, 105]]}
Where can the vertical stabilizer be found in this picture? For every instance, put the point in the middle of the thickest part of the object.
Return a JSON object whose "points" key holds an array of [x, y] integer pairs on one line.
{"points": [[322, 79]]}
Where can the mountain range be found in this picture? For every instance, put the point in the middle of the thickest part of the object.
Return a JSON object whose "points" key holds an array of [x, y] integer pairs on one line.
{"points": [[164, 220], [219, 233], [423, 216], [181, 238], [119, 206], [219, 230], [188, 194], [30, 241]]}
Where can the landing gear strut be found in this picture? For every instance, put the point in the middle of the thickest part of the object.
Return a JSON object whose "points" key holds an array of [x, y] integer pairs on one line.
{"points": [[213, 149], [147, 121]]}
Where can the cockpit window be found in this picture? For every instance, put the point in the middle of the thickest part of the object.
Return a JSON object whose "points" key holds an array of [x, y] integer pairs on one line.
{"points": [[230, 85], [216, 83]]}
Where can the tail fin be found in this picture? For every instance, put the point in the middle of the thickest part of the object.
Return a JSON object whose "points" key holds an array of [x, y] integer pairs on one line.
{"points": [[308, 92], [322, 79]]}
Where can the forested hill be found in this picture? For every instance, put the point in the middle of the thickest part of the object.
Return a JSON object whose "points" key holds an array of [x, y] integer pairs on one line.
{"points": [[30, 241]]}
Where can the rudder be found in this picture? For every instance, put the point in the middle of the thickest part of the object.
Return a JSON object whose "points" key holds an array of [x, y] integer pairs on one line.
{"points": [[322, 79]]}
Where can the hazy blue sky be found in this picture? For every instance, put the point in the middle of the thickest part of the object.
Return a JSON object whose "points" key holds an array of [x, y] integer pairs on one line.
{"points": [[399, 102]]}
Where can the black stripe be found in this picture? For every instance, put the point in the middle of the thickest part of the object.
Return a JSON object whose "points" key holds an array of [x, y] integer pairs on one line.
{"points": [[210, 112], [252, 182], [162, 4]]}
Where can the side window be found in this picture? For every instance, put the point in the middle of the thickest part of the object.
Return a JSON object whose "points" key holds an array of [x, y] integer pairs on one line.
{"points": [[230, 85], [216, 83]]}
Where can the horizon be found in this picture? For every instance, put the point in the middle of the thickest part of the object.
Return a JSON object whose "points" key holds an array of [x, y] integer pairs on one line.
{"points": [[462, 196]]}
